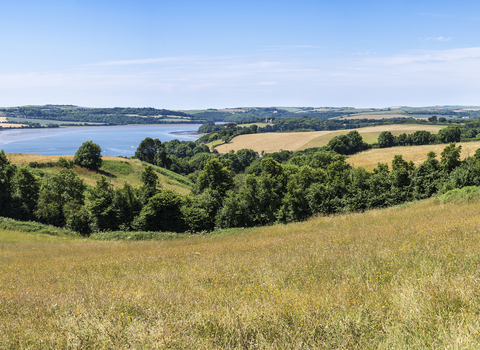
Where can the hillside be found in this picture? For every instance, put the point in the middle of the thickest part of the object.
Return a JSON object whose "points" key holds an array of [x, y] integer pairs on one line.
{"points": [[118, 170], [404, 277], [293, 141]]}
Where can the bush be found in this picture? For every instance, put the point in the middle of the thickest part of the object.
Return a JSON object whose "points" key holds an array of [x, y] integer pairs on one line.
{"points": [[65, 163], [33, 227], [466, 194]]}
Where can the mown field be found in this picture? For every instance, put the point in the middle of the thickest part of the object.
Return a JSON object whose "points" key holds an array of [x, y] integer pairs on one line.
{"points": [[274, 142], [117, 170], [401, 278], [418, 154]]}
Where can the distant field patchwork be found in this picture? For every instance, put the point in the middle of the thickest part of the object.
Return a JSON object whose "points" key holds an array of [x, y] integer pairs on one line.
{"points": [[380, 116], [274, 142], [5, 124]]}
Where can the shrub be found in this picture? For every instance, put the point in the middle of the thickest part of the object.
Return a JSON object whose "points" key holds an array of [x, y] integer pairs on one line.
{"points": [[466, 194]]}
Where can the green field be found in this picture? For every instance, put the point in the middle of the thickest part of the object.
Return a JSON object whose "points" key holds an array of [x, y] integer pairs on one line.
{"points": [[400, 278]]}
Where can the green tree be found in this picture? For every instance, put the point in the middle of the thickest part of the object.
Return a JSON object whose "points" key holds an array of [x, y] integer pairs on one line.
{"points": [[7, 172], [400, 175], [89, 155], [55, 192], [127, 206], [150, 180], [148, 149], [451, 133], [99, 204], [199, 211], [427, 177], [25, 194], [235, 212], [77, 218], [162, 213], [295, 205], [385, 139], [450, 157], [215, 176]]}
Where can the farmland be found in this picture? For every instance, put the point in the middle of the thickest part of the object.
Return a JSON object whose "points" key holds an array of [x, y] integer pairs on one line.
{"points": [[404, 277], [418, 154], [5, 124], [274, 142]]}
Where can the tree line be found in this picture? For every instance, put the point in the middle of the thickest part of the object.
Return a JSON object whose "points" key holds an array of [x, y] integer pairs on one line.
{"points": [[241, 189]]}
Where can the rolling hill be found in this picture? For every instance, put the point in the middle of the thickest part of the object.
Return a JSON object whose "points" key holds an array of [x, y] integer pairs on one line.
{"points": [[293, 141]]}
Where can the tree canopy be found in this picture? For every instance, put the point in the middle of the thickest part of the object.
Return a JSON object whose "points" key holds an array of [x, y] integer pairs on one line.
{"points": [[89, 155]]}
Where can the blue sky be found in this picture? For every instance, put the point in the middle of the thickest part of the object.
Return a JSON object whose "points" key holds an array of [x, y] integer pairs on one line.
{"points": [[217, 54]]}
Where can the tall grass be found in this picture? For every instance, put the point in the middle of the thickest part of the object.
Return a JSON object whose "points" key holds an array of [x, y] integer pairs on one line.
{"points": [[400, 278]]}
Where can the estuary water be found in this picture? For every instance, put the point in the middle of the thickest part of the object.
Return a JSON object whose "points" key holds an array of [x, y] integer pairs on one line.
{"points": [[114, 140]]}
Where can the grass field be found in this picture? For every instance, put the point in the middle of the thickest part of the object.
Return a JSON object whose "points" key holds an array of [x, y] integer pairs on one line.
{"points": [[260, 125], [401, 278], [274, 142], [118, 170], [418, 154], [10, 125]]}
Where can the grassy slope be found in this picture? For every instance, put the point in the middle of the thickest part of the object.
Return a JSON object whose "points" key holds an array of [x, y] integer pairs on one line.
{"points": [[118, 170], [274, 142], [418, 154], [405, 277]]}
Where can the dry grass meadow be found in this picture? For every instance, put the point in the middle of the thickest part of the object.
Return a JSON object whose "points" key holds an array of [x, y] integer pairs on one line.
{"points": [[418, 154], [293, 141], [401, 278]]}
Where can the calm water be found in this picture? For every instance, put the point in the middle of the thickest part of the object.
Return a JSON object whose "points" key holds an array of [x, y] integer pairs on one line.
{"points": [[114, 140]]}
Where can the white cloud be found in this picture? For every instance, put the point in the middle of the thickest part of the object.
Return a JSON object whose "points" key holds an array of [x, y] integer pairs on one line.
{"points": [[440, 38], [289, 47], [143, 61]]}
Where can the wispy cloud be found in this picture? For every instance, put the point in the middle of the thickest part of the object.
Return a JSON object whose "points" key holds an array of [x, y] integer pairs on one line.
{"points": [[289, 47], [145, 61], [452, 55], [440, 38]]}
